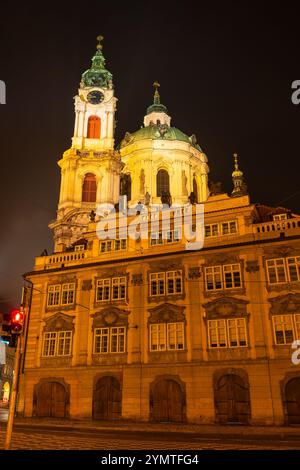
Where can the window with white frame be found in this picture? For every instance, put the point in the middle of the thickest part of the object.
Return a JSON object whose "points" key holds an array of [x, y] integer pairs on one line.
{"points": [[167, 336], [286, 328], [111, 289], [212, 230], [277, 217], [110, 340], [57, 343], [282, 270], [222, 228], [223, 277], [162, 283], [79, 248], [170, 236], [229, 228], [107, 246], [61, 294], [227, 333]]}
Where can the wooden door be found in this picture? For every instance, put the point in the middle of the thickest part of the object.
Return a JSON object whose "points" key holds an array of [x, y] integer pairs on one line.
{"points": [[292, 396], [51, 400], [167, 402], [232, 400], [107, 402]]}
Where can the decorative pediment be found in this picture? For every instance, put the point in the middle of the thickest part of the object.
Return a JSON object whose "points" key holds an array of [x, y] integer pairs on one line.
{"points": [[112, 272], [167, 265], [279, 251], [59, 322], [166, 313], [222, 258], [110, 316], [285, 304], [226, 307]]}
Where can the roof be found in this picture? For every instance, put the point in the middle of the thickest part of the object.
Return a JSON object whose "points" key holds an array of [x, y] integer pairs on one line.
{"points": [[158, 132]]}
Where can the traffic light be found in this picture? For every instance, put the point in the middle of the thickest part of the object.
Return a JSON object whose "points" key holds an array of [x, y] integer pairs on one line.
{"points": [[16, 321]]}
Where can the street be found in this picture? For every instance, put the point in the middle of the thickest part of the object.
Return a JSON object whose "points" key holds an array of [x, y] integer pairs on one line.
{"points": [[38, 438]]}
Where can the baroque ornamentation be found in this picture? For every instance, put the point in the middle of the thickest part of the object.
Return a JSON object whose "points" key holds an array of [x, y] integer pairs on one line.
{"points": [[110, 316], [59, 322], [194, 273], [252, 266], [226, 307], [137, 279], [166, 313], [289, 303], [280, 251], [222, 258]]}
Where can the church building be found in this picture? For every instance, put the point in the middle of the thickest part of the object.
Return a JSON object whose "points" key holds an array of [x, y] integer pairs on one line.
{"points": [[144, 328]]}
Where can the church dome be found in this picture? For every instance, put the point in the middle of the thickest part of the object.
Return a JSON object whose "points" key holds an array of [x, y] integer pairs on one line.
{"points": [[158, 132]]}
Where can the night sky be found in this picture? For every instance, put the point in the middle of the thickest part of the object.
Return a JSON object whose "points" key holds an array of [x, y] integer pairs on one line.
{"points": [[225, 74]]}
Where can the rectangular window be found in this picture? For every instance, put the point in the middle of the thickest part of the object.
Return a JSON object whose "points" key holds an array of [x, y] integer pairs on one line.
{"points": [[280, 217], [106, 246], [283, 329], [79, 248], [103, 290], [167, 336], [213, 278], [57, 343], [276, 271], [156, 239], [109, 340], [157, 284], [174, 282], [120, 244], [230, 333], [212, 230], [229, 228], [166, 283], [293, 266], [118, 288], [101, 338], [53, 295], [232, 276], [68, 294]]}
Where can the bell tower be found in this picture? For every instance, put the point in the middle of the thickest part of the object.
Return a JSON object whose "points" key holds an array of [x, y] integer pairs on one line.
{"points": [[90, 169]]}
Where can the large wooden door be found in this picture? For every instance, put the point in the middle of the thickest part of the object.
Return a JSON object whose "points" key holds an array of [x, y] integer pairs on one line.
{"points": [[292, 396], [107, 402], [167, 402], [232, 400], [51, 400]]}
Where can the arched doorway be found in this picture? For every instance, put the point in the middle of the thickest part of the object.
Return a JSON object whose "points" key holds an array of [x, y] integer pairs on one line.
{"points": [[162, 183], [167, 401], [94, 127], [292, 399], [51, 400], [232, 400], [107, 400], [6, 392]]}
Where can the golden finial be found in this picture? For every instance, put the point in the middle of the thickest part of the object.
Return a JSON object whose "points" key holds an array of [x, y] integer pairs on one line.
{"points": [[99, 39], [156, 94], [236, 163]]}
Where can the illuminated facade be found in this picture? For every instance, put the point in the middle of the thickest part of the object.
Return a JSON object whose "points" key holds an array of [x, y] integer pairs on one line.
{"points": [[144, 329]]}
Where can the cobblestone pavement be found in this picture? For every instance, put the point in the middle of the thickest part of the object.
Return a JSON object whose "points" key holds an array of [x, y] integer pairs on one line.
{"points": [[37, 439]]}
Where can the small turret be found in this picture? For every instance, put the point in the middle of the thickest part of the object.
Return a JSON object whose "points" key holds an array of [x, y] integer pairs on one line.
{"points": [[239, 186]]}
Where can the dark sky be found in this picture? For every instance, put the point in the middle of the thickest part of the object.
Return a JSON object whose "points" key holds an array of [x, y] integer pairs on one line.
{"points": [[225, 73]]}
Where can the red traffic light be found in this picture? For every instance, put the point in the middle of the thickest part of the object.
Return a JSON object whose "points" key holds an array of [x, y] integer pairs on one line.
{"points": [[17, 319]]}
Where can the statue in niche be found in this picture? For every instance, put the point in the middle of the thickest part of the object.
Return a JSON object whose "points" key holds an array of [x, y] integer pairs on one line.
{"points": [[142, 182], [147, 199], [184, 183]]}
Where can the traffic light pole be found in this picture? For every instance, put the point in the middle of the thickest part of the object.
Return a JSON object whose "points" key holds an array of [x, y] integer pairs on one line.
{"points": [[12, 404]]}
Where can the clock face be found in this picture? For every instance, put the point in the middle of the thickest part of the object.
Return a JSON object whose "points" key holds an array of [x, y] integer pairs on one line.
{"points": [[95, 97]]}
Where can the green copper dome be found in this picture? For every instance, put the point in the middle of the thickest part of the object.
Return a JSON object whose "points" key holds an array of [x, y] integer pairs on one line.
{"points": [[158, 132], [97, 75]]}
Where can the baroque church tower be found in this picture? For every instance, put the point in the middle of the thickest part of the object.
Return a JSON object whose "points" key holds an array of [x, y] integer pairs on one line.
{"points": [[90, 169]]}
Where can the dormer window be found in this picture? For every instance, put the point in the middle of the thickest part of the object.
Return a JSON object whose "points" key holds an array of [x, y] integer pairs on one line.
{"points": [[279, 217], [79, 248]]}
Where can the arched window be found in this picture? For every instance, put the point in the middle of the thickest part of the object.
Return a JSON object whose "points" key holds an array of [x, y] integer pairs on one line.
{"points": [[94, 127], [195, 189], [89, 188], [162, 182]]}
